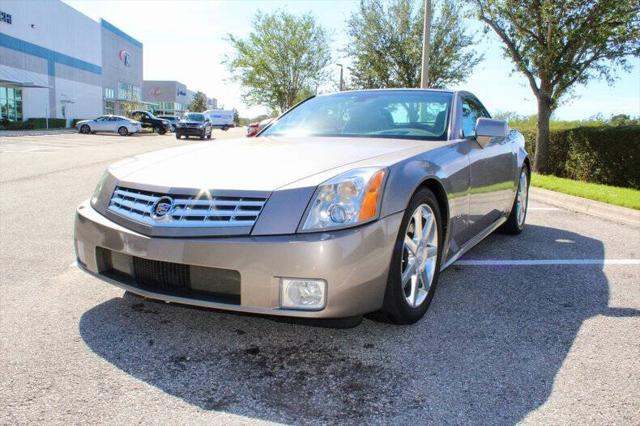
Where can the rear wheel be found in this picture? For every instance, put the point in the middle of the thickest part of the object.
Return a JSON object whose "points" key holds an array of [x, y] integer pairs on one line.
{"points": [[122, 131], [415, 263], [85, 129], [178, 136], [515, 222]]}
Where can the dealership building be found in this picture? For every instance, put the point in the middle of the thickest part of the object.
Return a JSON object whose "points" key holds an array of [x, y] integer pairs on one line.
{"points": [[57, 62], [170, 97]]}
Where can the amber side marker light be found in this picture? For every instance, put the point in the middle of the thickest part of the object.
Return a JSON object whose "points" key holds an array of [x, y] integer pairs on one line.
{"points": [[370, 200]]}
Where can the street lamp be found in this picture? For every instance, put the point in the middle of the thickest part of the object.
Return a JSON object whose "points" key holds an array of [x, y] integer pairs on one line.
{"points": [[341, 77]]}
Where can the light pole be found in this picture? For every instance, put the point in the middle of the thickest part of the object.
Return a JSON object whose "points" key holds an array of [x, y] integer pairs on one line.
{"points": [[426, 44], [341, 77]]}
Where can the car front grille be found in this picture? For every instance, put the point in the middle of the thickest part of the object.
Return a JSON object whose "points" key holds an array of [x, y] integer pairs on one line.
{"points": [[202, 210]]}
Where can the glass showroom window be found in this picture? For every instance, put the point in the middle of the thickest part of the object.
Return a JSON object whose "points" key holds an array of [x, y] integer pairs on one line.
{"points": [[109, 107], [109, 93], [10, 103], [128, 92]]}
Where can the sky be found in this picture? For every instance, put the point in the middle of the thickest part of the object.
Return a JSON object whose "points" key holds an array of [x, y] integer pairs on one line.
{"points": [[186, 41]]}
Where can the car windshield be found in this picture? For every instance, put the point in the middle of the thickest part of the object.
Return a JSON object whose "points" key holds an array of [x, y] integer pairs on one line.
{"points": [[193, 117], [405, 114]]}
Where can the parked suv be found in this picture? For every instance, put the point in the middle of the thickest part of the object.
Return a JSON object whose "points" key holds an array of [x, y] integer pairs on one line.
{"points": [[150, 121], [194, 124]]}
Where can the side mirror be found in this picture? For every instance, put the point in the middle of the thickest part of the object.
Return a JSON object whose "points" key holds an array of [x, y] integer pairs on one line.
{"points": [[487, 129], [208, 120]]}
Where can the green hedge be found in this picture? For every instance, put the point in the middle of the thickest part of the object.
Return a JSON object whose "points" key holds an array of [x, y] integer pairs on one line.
{"points": [[34, 123], [608, 154]]}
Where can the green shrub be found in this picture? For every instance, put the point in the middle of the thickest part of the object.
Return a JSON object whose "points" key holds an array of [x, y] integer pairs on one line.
{"points": [[54, 123], [608, 155], [16, 125]]}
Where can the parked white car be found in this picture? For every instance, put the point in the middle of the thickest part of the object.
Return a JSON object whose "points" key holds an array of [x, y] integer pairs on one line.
{"points": [[220, 118], [110, 123]]}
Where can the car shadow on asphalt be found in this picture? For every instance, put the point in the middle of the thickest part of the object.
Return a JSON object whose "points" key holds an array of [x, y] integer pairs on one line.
{"points": [[487, 351]]}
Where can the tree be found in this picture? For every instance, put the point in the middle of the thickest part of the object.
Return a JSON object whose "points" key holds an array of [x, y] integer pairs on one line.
{"points": [[386, 44], [283, 57], [559, 44], [199, 103]]}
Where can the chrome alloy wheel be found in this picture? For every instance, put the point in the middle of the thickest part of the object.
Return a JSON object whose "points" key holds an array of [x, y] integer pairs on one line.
{"points": [[522, 198], [419, 255]]}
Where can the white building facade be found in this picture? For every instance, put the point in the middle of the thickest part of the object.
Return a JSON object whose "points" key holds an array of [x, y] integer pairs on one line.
{"points": [[56, 62]]}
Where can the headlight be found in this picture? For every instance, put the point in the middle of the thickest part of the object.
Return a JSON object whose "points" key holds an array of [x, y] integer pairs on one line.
{"points": [[98, 190], [347, 200], [200, 126]]}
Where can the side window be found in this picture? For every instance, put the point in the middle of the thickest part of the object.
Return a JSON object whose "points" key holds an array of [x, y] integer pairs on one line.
{"points": [[469, 118], [471, 111]]}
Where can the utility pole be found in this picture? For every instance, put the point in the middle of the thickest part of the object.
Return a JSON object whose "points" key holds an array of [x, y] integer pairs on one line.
{"points": [[426, 45], [341, 77]]}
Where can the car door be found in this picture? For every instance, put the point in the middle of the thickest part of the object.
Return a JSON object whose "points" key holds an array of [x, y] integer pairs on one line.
{"points": [[99, 124], [491, 170], [115, 123]]}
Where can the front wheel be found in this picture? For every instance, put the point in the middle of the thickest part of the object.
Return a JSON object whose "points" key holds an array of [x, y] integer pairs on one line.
{"points": [[415, 263], [178, 136], [161, 131], [85, 129], [122, 131], [515, 222]]}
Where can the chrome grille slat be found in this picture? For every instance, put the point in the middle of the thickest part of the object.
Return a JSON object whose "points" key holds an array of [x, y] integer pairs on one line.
{"points": [[199, 211]]}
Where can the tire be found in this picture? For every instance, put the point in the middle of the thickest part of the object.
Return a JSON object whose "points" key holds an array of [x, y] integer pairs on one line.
{"points": [[224, 128], [518, 216], [397, 307], [210, 134], [173, 128], [204, 133], [122, 131], [161, 131], [85, 129], [178, 136]]}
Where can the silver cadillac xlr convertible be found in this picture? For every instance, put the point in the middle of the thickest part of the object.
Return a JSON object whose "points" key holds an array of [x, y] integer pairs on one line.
{"points": [[347, 204]]}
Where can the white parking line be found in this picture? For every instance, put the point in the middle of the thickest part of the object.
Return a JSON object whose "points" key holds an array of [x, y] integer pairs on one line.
{"points": [[542, 262]]}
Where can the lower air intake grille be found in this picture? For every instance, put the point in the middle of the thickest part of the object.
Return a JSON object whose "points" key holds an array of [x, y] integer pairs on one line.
{"points": [[175, 279], [162, 276]]}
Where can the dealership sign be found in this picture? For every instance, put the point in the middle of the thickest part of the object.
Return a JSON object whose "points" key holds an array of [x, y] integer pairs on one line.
{"points": [[125, 57], [5, 17], [182, 92]]}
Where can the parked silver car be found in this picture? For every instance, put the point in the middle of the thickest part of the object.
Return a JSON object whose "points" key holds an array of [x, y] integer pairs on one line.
{"points": [[110, 123], [349, 203]]}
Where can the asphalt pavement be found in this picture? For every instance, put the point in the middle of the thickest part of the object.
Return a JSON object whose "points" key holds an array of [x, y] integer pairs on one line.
{"points": [[539, 328]]}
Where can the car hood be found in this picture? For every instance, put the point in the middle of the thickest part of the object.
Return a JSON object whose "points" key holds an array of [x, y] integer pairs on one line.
{"points": [[258, 164], [192, 123]]}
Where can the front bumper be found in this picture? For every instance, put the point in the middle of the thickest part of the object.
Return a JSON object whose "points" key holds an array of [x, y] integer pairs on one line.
{"points": [[190, 131], [353, 262]]}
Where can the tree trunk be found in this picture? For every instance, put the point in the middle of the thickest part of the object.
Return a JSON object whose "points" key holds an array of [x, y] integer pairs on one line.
{"points": [[541, 160]]}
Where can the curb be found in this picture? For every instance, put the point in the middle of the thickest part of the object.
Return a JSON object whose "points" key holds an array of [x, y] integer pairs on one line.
{"points": [[35, 132], [606, 211]]}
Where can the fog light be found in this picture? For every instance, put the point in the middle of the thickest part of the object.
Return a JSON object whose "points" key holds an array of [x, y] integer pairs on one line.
{"points": [[302, 294]]}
